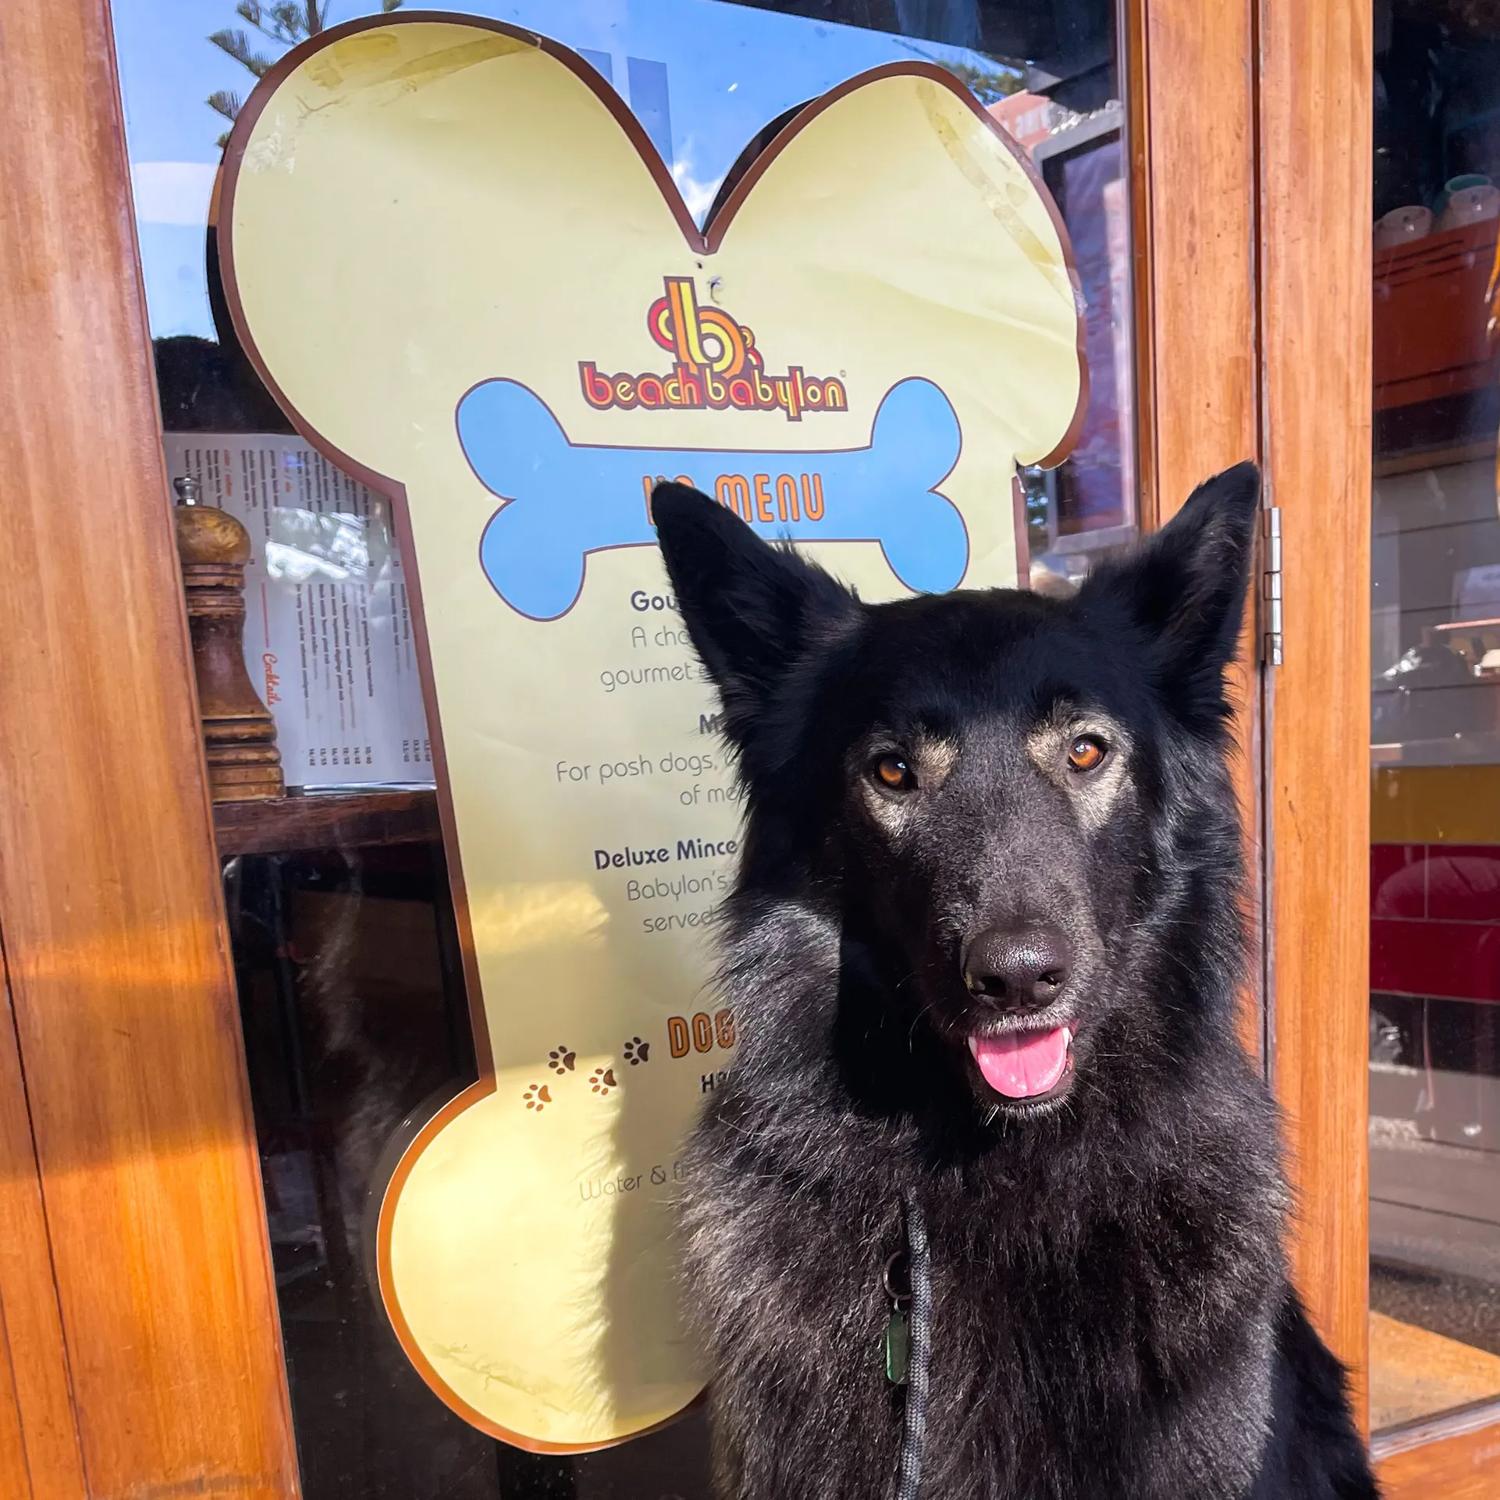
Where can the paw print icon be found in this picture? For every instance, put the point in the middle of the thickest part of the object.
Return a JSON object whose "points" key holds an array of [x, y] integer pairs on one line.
{"points": [[538, 1096], [603, 1080], [561, 1058], [636, 1051]]}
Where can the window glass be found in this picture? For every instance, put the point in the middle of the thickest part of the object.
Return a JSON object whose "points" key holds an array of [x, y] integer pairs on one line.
{"points": [[351, 986], [1435, 717]]}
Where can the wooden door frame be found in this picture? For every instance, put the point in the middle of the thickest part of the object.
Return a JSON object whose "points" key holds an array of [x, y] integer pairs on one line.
{"points": [[141, 1353], [1261, 185], [1315, 146], [123, 1104], [1196, 369]]}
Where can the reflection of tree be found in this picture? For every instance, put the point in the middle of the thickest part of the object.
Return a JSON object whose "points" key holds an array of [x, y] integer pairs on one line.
{"points": [[285, 24], [988, 84]]}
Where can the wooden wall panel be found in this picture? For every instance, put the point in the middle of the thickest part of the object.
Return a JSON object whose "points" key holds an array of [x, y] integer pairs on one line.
{"points": [[39, 1454], [1314, 110], [15, 1472], [1194, 159], [109, 904]]}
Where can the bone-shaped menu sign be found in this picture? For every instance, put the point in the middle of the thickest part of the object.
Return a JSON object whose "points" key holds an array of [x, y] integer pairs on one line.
{"points": [[469, 279], [565, 500]]}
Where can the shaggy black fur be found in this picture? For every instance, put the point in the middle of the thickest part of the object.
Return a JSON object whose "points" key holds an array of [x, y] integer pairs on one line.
{"points": [[1112, 1312]]}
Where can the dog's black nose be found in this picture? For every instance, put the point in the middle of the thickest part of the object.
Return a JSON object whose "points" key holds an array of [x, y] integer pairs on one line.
{"points": [[1016, 967]]}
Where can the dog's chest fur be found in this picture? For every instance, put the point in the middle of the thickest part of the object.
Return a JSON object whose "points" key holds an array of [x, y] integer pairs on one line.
{"points": [[1099, 1328]]}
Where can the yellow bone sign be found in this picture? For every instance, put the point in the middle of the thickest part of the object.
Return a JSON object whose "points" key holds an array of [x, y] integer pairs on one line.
{"points": [[469, 279]]}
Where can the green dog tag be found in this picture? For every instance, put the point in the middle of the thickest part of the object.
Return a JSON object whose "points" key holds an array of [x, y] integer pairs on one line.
{"points": [[897, 1347]]}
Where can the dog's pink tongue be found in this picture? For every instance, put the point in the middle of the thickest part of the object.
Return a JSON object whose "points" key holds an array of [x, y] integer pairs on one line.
{"points": [[1020, 1064]]}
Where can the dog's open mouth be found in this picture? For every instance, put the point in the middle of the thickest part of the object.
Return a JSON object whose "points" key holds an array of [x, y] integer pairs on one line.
{"points": [[1024, 1064]]}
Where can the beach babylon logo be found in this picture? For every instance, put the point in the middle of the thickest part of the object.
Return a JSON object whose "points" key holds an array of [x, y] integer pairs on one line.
{"points": [[716, 367]]}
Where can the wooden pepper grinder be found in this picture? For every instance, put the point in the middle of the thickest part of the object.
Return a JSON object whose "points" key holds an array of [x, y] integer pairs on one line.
{"points": [[239, 735]]}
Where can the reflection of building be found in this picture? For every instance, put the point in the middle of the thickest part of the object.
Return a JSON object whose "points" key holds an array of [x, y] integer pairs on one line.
{"points": [[1435, 708], [1028, 118], [645, 91]]}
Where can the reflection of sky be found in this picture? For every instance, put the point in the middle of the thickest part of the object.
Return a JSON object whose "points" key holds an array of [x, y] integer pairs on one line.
{"points": [[704, 76]]}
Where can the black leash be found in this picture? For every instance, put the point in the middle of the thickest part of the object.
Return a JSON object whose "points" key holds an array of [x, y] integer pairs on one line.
{"points": [[917, 1348]]}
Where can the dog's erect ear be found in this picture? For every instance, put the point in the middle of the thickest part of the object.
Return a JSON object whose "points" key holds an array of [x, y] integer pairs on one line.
{"points": [[751, 608], [1185, 587]]}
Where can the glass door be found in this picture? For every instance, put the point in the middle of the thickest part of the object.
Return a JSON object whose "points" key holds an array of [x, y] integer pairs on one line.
{"points": [[1434, 1008], [347, 948]]}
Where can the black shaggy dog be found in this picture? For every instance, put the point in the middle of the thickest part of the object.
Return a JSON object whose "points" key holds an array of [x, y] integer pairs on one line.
{"points": [[983, 952]]}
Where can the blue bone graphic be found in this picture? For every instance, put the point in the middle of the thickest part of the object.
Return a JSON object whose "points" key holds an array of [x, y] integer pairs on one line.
{"points": [[564, 500]]}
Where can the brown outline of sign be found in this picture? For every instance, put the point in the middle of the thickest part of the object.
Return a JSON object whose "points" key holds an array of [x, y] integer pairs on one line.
{"points": [[705, 242]]}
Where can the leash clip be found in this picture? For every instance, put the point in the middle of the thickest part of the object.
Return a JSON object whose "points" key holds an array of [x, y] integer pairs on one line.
{"points": [[897, 1282]]}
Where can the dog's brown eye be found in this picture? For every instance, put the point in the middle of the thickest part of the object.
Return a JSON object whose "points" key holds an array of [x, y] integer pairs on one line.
{"points": [[893, 773], [1086, 753]]}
